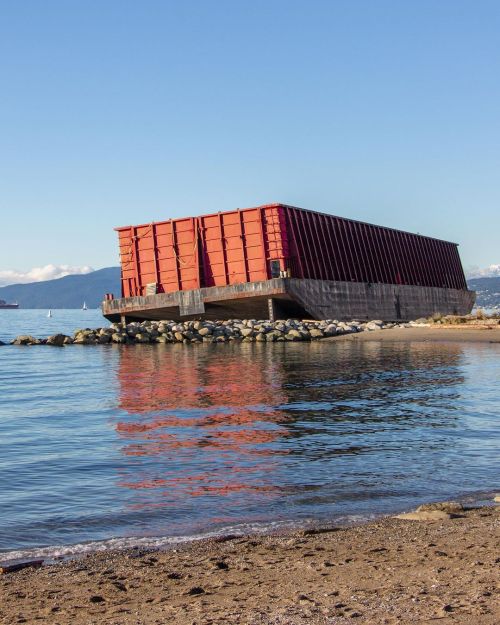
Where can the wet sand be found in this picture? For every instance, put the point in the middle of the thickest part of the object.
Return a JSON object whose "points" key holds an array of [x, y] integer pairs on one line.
{"points": [[390, 571], [454, 333]]}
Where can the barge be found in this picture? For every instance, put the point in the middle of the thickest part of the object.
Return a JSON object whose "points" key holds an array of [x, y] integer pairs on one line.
{"points": [[279, 261]]}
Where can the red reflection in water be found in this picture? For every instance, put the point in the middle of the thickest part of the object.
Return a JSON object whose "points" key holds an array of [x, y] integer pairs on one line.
{"points": [[219, 415]]}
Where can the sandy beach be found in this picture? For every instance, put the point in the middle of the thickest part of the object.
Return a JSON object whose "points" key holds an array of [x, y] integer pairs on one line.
{"points": [[457, 333], [389, 571]]}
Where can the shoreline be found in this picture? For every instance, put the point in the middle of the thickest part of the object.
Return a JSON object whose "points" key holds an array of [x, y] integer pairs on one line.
{"points": [[56, 554], [390, 570]]}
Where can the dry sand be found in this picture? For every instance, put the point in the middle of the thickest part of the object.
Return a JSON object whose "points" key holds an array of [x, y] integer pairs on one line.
{"points": [[390, 571], [460, 333]]}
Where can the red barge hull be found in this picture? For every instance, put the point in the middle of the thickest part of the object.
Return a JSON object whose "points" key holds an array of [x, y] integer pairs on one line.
{"points": [[279, 260]]}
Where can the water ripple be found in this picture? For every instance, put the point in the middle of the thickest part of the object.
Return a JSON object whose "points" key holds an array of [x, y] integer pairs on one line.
{"points": [[100, 444]]}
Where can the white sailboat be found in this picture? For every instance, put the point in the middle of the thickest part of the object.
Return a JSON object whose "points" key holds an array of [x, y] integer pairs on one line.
{"points": [[84, 307], [49, 314]]}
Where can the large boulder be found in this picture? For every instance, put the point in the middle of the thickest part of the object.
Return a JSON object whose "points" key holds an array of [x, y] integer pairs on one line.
{"points": [[315, 333], [26, 339], [293, 335], [58, 340], [142, 337]]}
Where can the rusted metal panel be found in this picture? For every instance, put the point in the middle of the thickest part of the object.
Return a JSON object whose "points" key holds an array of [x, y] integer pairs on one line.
{"points": [[326, 247], [255, 244]]}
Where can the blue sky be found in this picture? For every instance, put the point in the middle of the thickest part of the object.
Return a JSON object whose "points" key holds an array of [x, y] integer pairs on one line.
{"points": [[121, 112]]}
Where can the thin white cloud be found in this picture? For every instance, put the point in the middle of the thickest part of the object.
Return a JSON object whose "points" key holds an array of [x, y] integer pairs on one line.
{"points": [[39, 274], [492, 271]]}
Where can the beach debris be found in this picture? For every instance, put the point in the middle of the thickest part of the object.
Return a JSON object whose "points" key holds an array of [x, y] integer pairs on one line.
{"points": [[496, 498], [18, 566]]}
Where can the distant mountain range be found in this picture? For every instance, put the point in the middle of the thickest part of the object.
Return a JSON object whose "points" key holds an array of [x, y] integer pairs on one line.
{"points": [[72, 291], [488, 291], [68, 292]]}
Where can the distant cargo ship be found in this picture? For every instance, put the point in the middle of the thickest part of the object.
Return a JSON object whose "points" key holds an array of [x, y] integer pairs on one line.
{"points": [[3, 304]]}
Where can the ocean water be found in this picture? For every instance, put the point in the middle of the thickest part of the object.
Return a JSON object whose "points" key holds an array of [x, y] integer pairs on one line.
{"points": [[36, 322], [109, 446]]}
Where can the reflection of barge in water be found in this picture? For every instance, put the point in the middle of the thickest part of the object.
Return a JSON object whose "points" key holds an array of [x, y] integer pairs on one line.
{"points": [[3, 304], [278, 261]]}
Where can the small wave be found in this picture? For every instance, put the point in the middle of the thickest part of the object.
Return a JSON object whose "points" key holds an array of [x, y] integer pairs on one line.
{"points": [[54, 552], [58, 552]]}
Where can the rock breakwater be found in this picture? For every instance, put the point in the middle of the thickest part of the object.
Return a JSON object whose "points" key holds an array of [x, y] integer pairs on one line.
{"points": [[243, 330]]}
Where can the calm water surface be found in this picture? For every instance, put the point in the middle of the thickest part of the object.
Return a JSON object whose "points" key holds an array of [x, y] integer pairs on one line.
{"points": [[150, 444]]}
